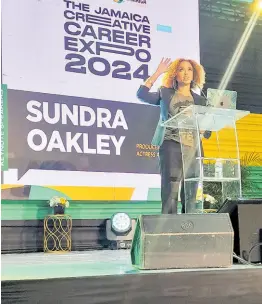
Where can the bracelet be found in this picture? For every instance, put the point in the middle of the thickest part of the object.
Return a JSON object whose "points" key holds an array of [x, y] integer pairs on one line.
{"points": [[148, 81]]}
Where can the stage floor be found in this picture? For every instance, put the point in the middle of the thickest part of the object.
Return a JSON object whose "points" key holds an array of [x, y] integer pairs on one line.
{"points": [[37, 266], [105, 277]]}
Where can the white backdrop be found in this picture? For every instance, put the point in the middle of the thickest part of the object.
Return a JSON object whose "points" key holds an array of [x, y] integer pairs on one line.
{"points": [[34, 55]]}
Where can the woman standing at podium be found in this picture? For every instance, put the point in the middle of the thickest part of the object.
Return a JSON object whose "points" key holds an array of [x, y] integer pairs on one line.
{"points": [[175, 94]]}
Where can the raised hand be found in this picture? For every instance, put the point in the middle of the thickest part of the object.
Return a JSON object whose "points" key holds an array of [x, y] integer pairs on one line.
{"points": [[163, 66]]}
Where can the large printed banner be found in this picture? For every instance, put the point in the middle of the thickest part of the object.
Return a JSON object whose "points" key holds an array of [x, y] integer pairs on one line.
{"points": [[79, 134], [72, 70]]}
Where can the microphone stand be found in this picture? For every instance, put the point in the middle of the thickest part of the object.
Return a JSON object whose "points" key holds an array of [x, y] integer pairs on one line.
{"points": [[207, 134], [202, 92]]}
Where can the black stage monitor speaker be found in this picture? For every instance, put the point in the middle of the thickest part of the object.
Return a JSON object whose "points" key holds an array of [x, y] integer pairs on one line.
{"points": [[182, 241], [246, 218]]}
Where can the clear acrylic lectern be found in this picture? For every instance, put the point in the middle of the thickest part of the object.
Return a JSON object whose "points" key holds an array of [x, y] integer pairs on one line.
{"points": [[221, 164]]}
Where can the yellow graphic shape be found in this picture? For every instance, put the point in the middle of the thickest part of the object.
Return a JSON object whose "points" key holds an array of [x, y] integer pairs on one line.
{"points": [[3, 187], [95, 193], [249, 131]]}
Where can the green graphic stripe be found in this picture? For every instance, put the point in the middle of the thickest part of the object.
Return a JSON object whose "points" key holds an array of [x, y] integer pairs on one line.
{"points": [[38, 209], [4, 128]]}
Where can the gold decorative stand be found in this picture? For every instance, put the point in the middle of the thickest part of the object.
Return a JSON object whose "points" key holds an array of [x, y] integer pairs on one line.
{"points": [[57, 233]]}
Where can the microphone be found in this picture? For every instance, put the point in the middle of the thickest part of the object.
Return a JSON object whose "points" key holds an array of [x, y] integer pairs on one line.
{"points": [[206, 134], [202, 92]]}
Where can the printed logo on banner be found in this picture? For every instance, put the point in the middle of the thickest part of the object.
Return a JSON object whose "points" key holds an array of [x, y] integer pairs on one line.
{"points": [[136, 1], [95, 34]]}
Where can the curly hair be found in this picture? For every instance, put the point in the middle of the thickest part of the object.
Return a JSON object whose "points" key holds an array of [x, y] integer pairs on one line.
{"points": [[199, 74]]}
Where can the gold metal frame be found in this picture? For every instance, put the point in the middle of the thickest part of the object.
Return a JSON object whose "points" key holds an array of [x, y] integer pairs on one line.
{"points": [[57, 231]]}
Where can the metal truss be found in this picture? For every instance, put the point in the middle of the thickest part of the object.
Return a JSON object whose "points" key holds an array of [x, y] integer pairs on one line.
{"points": [[230, 10]]}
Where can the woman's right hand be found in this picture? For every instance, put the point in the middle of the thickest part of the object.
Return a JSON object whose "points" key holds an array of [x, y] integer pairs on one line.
{"points": [[163, 66]]}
